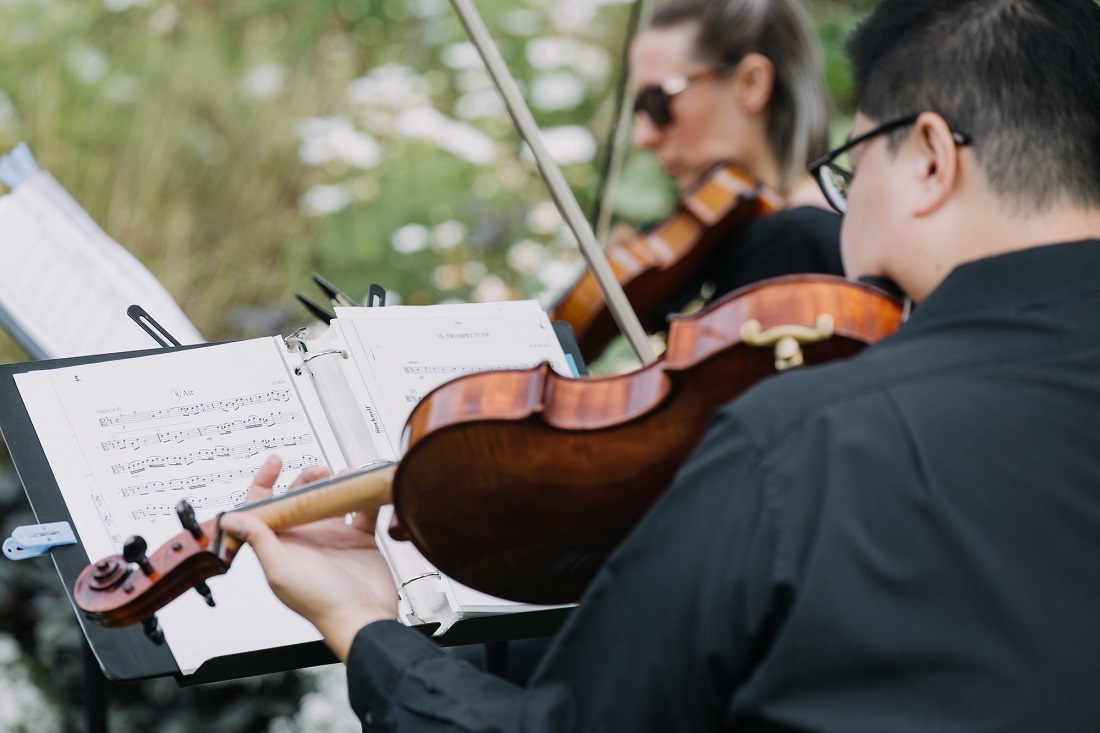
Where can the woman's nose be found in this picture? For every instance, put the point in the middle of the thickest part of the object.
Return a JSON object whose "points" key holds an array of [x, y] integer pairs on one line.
{"points": [[646, 134]]}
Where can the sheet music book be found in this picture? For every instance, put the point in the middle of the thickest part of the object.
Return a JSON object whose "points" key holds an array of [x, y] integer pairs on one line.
{"points": [[127, 438], [65, 284]]}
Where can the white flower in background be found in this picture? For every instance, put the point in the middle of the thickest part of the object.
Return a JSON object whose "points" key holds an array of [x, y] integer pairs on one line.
{"points": [[557, 90], [468, 143], [391, 86], [427, 8], [525, 256], [522, 22], [422, 123], [557, 52], [325, 139], [447, 277], [556, 275], [119, 6], [449, 234], [544, 218], [462, 56], [89, 64], [592, 62], [473, 80], [479, 105], [551, 52], [458, 138], [164, 19], [473, 271], [325, 199], [23, 708], [491, 289], [572, 16], [567, 145], [263, 81], [410, 238]]}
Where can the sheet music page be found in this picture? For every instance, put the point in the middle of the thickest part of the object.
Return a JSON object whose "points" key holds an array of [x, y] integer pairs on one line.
{"points": [[67, 285], [128, 439], [404, 352]]}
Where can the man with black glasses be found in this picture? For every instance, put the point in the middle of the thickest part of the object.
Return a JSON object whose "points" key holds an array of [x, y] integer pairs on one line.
{"points": [[905, 541]]}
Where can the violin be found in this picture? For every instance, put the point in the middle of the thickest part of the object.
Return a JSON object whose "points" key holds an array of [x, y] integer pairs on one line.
{"points": [[519, 483], [654, 267]]}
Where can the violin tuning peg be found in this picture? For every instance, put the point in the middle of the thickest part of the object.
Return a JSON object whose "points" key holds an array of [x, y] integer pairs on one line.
{"points": [[134, 551], [206, 593], [153, 630], [186, 513]]}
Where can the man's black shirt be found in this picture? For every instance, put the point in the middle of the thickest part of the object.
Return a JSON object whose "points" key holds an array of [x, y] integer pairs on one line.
{"points": [[908, 540]]}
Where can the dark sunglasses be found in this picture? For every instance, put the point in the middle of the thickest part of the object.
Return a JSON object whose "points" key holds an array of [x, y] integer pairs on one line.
{"points": [[656, 100], [835, 179]]}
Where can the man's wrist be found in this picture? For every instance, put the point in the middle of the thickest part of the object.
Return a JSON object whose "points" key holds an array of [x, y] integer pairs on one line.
{"points": [[341, 626]]}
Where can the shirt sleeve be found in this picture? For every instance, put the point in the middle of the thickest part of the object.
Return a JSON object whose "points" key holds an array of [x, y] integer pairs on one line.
{"points": [[671, 624]]}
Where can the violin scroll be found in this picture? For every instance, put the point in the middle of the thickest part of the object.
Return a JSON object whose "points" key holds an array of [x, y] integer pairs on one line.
{"points": [[126, 589]]}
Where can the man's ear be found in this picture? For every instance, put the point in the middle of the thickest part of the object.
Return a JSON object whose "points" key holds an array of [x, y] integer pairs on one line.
{"points": [[935, 156], [754, 80]]}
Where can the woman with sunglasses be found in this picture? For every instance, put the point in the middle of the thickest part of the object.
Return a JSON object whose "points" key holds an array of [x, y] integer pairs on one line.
{"points": [[740, 81]]}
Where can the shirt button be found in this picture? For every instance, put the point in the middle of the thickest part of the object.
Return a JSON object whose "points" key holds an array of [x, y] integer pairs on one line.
{"points": [[368, 719]]}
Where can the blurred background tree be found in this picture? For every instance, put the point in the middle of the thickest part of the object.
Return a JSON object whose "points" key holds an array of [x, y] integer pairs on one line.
{"points": [[235, 147]]}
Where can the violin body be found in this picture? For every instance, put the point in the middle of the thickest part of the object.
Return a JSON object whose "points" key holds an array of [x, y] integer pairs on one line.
{"points": [[520, 483], [655, 266]]}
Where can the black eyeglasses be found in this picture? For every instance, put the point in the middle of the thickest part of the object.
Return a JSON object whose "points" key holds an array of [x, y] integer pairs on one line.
{"points": [[835, 179], [656, 100]]}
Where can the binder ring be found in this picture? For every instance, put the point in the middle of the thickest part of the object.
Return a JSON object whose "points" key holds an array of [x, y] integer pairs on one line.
{"points": [[298, 369], [428, 574], [297, 340]]}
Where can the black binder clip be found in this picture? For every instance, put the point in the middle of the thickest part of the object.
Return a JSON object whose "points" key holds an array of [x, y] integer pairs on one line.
{"points": [[335, 297], [151, 327], [315, 310], [376, 297], [35, 540]]}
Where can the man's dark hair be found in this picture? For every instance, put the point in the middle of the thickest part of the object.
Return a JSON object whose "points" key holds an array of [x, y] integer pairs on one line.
{"points": [[1021, 77]]}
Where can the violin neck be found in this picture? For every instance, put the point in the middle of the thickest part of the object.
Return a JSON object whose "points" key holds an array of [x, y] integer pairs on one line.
{"points": [[353, 492]]}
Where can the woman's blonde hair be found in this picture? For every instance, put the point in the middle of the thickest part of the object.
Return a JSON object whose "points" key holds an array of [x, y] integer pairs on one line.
{"points": [[798, 111]]}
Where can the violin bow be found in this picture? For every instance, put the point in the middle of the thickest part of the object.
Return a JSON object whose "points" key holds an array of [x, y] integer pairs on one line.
{"points": [[562, 195], [624, 115]]}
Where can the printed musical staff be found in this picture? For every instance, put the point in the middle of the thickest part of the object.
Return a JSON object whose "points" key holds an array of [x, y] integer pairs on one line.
{"points": [[204, 481], [228, 501], [178, 436], [464, 369], [243, 450], [227, 405]]}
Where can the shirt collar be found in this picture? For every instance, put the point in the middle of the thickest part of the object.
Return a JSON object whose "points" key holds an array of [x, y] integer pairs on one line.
{"points": [[1015, 281]]}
